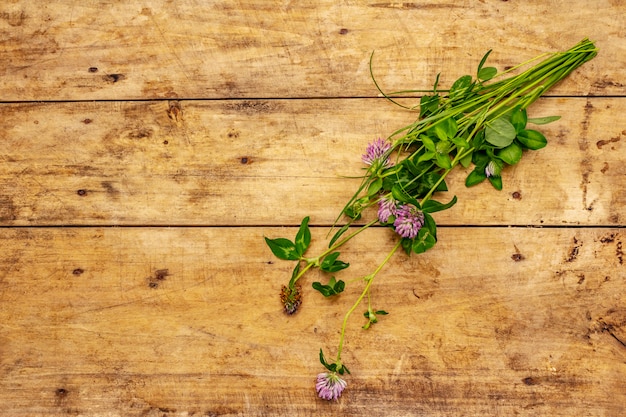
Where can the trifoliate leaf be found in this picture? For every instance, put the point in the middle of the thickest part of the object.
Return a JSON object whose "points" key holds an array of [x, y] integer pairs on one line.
{"points": [[332, 264]]}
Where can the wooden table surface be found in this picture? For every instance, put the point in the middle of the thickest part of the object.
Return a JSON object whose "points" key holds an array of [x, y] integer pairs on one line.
{"points": [[148, 147]]}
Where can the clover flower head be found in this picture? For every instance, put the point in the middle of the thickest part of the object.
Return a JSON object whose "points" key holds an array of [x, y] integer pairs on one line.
{"points": [[387, 207], [375, 153], [492, 169], [329, 386], [409, 221], [291, 298]]}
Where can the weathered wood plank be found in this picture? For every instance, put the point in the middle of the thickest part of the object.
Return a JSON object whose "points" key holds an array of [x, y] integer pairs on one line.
{"points": [[186, 321], [217, 162], [87, 50]]}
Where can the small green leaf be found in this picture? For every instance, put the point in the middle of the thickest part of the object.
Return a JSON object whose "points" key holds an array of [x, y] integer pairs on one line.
{"points": [[511, 154], [466, 160], [340, 232], [430, 225], [411, 167], [460, 87], [428, 143], [487, 73], [374, 187], [443, 160], [303, 237], [445, 128], [519, 119], [532, 139], [321, 288], [294, 274], [500, 132], [436, 82], [480, 159], [332, 367], [322, 359], [354, 211], [543, 120], [406, 245], [332, 264], [475, 177], [459, 142], [496, 182], [370, 315], [329, 259], [333, 287], [432, 206], [426, 156], [428, 104], [399, 194], [482, 62], [431, 178], [337, 266], [424, 241], [283, 248]]}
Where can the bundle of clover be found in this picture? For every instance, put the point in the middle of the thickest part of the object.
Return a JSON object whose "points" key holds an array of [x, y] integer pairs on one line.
{"points": [[480, 122]]}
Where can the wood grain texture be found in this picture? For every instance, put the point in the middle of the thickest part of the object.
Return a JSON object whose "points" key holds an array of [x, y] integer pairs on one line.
{"points": [[68, 50], [148, 147], [215, 162], [186, 321]]}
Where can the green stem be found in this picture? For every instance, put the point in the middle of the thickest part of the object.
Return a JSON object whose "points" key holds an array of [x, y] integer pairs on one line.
{"points": [[370, 279], [315, 261]]}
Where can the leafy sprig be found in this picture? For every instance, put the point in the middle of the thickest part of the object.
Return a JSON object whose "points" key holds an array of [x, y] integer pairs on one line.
{"points": [[480, 122]]}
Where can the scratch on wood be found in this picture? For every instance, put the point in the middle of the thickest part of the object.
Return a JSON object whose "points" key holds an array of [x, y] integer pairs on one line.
{"points": [[573, 253], [609, 329]]}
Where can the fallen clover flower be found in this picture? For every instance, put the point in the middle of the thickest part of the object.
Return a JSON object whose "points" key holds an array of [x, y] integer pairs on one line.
{"points": [[329, 386], [478, 122]]}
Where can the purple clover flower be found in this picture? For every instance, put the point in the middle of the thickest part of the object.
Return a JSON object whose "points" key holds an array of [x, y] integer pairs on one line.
{"points": [[329, 386], [387, 207], [375, 153], [409, 221]]}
